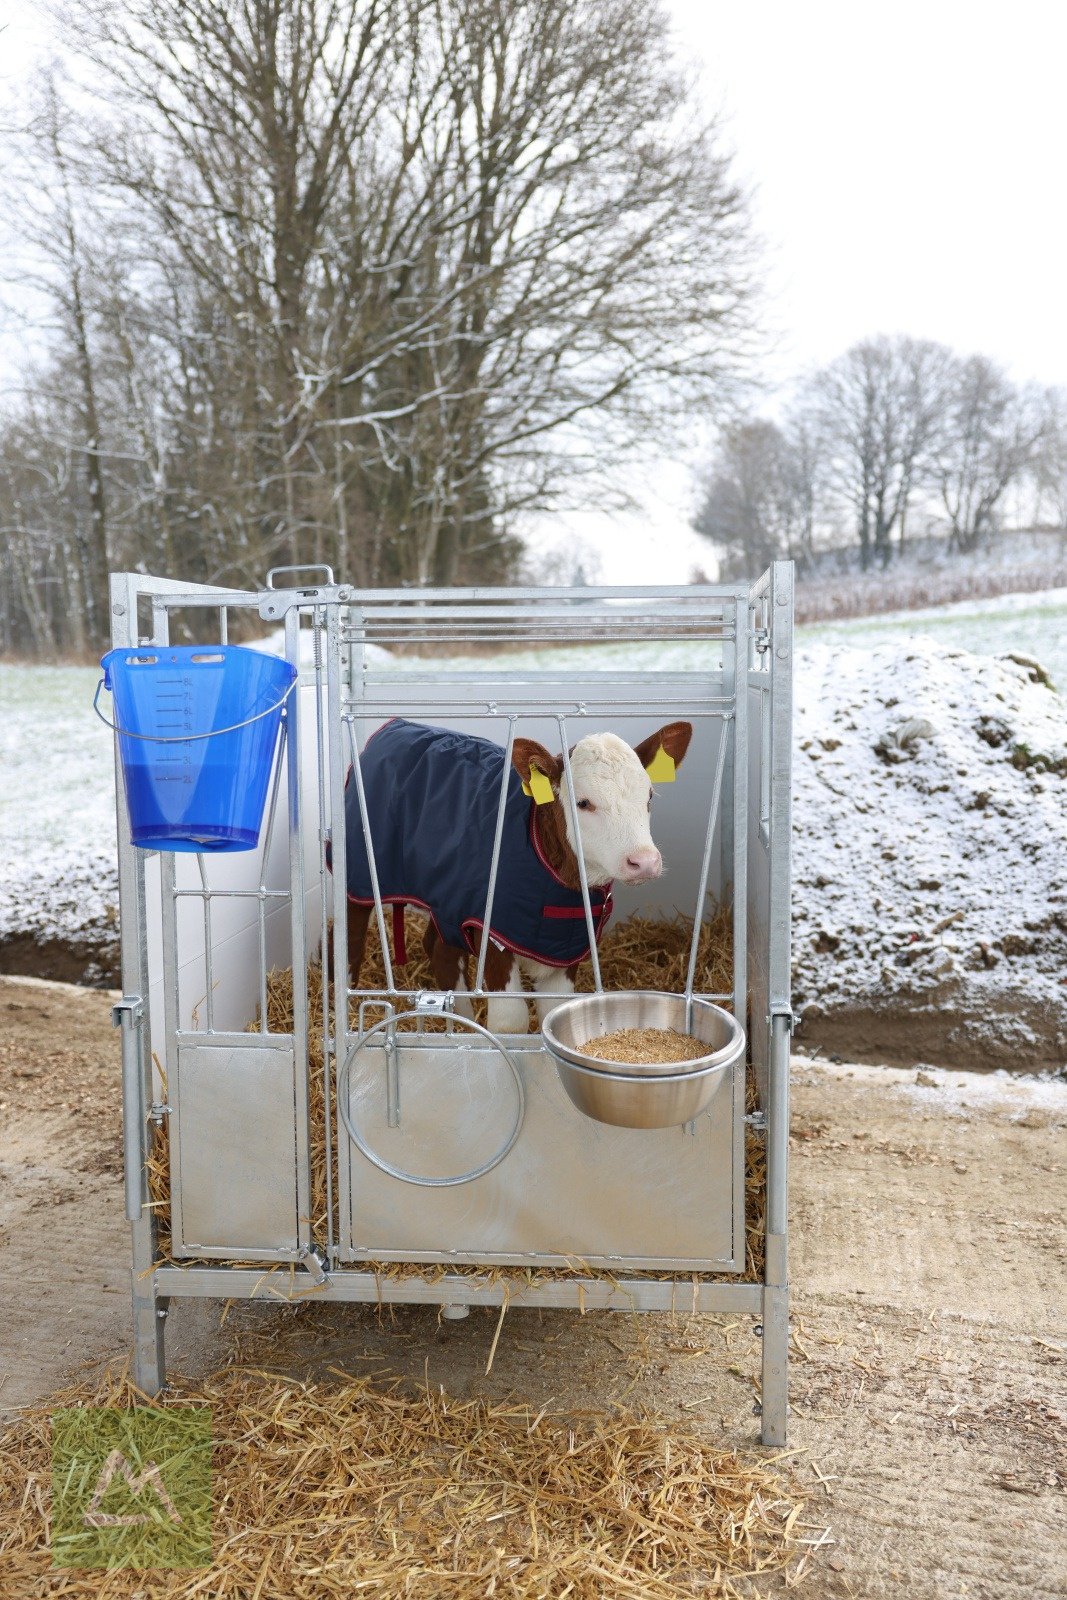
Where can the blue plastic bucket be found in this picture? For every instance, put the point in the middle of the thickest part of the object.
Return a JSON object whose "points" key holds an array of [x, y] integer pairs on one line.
{"points": [[198, 727]]}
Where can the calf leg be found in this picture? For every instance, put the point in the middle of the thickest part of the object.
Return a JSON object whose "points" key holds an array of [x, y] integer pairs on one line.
{"points": [[449, 966], [509, 1014], [556, 980], [358, 922]]}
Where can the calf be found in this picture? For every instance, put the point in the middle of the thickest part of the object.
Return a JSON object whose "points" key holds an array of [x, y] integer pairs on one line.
{"points": [[432, 799]]}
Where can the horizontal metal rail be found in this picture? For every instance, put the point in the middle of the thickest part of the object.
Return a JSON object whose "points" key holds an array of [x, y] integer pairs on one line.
{"points": [[685, 1293], [395, 698]]}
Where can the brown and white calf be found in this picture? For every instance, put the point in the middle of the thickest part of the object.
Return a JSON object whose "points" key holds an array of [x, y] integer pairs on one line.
{"points": [[432, 802]]}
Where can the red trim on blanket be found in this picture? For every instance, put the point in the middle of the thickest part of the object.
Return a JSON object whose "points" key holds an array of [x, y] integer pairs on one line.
{"points": [[399, 900], [577, 913]]}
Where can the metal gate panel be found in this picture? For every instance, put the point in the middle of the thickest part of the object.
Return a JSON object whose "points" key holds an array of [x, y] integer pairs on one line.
{"points": [[571, 1190], [234, 1152]]}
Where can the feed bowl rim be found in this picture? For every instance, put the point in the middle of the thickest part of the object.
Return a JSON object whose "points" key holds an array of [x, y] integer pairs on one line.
{"points": [[726, 1054]]}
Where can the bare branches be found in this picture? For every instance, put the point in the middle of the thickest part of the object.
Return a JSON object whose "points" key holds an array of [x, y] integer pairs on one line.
{"points": [[385, 274]]}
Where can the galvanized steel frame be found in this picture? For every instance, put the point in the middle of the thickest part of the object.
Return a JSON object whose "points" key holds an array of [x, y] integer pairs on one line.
{"points": [[761, 616]]}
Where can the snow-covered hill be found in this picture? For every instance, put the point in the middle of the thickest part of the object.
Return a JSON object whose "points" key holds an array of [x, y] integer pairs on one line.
{"points": [[930, 854]]}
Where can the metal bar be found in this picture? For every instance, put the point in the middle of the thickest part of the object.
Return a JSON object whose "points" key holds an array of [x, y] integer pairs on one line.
{"points": [[379, 912], [698, 593], [224, 625], [776, 1323], [705, 868], [572, 804], [494, 864], [321, 623], [682, 1294], [149, 1356], [740, 813], [264, 894], [232, 894], [127, 1016], [472, 994], [298, 938], [209, 974], [339, 857]]}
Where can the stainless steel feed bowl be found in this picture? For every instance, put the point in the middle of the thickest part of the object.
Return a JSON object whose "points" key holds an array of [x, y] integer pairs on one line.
{"points": [[653, 1095]]}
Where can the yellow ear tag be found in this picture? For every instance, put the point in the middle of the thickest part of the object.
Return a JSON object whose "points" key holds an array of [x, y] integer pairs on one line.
{"points": [[662, 768], [539, 789]]}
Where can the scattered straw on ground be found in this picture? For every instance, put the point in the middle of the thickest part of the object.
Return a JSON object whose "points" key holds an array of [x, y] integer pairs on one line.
{"points": [[641, 953], [358, 1487], [638, 1046]]}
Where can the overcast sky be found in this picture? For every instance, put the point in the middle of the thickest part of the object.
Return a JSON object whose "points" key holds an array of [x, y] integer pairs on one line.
{"points": [[906, 162], [907, 165]]}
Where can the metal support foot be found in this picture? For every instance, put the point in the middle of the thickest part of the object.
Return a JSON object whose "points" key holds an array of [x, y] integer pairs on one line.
{"points": [[149, 1323], [775, 1356]]}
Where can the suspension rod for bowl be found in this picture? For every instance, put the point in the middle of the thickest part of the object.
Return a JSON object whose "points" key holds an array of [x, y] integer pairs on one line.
{"points": [[495, 863], [705, 868], [572, 805]]}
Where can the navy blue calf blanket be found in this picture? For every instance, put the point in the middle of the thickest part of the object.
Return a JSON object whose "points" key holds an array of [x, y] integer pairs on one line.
{"points": [[432, 798]]}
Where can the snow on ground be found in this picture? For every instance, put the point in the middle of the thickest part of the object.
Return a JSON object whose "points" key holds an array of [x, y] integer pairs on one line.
{"points": [[930, 849], [57, 818], [930, 832]]}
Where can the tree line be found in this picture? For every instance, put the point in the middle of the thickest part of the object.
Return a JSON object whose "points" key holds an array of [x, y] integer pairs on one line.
{"points": [[894, 434], [355, 282]]}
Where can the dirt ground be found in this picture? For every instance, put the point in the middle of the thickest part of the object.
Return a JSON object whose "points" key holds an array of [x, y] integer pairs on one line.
{"points": [[929, 1313]]}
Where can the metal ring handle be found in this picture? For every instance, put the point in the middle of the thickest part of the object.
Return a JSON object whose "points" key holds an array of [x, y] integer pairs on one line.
{"points": [[311, 566], [187, 738], [398, 1172]]}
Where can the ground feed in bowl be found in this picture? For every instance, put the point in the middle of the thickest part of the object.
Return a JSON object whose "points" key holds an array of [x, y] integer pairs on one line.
{"points": [[636, 1045]]}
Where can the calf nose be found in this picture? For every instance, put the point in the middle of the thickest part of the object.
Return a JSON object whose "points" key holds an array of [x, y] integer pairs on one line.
{"points": [[642, 865]]}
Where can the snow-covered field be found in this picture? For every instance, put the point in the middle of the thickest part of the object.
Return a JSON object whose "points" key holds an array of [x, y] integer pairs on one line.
{"points": [[930, 839]]}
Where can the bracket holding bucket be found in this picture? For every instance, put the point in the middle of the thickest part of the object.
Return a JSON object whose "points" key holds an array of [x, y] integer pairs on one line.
{"points": [[196, 741]]}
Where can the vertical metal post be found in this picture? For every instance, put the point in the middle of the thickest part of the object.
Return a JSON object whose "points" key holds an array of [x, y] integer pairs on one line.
{"points": [[149, 1309], [776, 1290], [298, 934], [740, 808], [776, 1277], [339, 859]]}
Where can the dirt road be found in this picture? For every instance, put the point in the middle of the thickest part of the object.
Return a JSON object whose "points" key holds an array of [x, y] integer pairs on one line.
{"points": [[929, 1313]]}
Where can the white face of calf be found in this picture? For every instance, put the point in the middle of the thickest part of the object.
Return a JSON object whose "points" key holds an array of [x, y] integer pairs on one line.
{"points": [[613, 793]]}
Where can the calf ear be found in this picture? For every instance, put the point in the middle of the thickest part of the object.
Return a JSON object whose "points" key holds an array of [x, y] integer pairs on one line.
{"points": [[662, 752], [532, 762]]}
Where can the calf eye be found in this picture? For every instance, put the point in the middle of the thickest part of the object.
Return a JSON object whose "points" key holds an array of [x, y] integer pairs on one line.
{"points": [[586, 805]]}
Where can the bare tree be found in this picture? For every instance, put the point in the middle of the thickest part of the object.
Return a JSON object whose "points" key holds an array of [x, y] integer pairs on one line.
{"points": [[759, 502], [994, 436], [879, 409], [420, 244]]}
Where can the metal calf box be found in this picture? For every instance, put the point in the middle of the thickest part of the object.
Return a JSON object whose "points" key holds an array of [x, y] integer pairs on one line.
{"points": [[451, 1145]]}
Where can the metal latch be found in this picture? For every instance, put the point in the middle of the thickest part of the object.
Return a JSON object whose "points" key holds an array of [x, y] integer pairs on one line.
{"points": [[128, 1014], [274, 603], [757, 1121], [314, 1263]]}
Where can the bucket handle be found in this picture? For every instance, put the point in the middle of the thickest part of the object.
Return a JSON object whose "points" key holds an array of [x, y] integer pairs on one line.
{"points": [[186, 738]]}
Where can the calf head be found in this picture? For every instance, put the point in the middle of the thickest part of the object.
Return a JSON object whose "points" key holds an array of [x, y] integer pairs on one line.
{"points": [[613, 794]]}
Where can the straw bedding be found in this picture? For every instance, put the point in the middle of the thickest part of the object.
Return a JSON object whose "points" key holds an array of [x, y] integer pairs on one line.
{"points": [[351, 1486], [641, 953]]}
